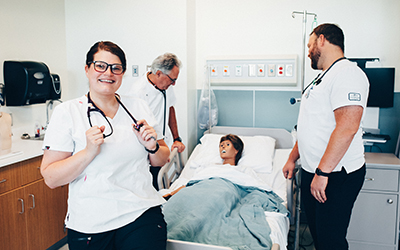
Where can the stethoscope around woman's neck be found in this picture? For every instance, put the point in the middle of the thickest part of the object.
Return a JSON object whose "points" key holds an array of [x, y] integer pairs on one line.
{"points": [[317, 80], [93, 108]]}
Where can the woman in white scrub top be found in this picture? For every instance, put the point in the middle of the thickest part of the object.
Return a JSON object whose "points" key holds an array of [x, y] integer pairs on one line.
{"points": [[95, 144]]}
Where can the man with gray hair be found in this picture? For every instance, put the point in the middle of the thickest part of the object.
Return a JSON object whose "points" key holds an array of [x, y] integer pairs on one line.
{"points": [[154, 88]]}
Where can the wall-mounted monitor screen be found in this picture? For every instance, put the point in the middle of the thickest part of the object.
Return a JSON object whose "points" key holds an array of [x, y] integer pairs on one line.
{"points": [[381, 87]]}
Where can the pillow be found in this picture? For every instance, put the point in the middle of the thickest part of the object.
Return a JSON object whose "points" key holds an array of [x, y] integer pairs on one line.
{"points": [[257, 153]]}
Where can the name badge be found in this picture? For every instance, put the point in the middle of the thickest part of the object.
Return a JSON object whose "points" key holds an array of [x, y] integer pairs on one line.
{"points": [[354, 97]]}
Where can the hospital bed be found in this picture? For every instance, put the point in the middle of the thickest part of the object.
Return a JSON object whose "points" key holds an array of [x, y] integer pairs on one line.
{"points": [[287, 189]]}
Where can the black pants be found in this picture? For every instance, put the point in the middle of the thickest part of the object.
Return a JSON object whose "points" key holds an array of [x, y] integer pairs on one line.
{"points": [[154, 172], [148, 232], [328, 222]]}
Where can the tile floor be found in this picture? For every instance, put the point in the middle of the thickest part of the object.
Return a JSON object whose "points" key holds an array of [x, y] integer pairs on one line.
{"points": [[65, 247]]}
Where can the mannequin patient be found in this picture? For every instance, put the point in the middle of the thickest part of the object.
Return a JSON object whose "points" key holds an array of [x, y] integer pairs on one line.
{"points": [[230, 151]]}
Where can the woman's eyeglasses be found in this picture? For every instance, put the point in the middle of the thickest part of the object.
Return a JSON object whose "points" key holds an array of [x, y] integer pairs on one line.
{"points": [[101, 67]]}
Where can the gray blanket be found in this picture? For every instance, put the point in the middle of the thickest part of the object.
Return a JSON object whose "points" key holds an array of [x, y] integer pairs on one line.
{"points": [[218, 212]]}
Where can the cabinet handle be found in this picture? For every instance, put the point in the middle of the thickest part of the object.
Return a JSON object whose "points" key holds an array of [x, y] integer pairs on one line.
{"points": [[22, 204], [369, 179], [390, 201], [33, 201], [2, 181]]}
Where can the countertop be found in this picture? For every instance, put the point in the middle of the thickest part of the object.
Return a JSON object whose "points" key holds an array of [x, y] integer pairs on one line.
{"points": [[382, 160], [21, 149]]}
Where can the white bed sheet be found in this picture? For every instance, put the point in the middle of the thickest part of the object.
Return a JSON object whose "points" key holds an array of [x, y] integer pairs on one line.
{"points": [[278, 223]]}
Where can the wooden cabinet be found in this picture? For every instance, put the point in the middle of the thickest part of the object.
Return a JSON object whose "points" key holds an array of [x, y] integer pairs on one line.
{"points": [[375, 219], [32, 215]]}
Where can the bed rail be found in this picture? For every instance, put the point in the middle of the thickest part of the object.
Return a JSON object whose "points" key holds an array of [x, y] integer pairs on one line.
{"points": [[171, 170], [293, 203]]}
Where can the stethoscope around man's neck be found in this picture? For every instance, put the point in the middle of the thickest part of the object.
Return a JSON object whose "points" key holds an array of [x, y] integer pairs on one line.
{"points": [[165, 100], [317, 80]]}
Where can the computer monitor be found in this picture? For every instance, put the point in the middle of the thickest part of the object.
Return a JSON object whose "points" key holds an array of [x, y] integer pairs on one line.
{"points": [[381, 87]]}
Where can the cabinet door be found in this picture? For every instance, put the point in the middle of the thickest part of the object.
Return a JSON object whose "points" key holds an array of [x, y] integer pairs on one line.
{"points": [[374, 219], [46, 209], [13, 220]]}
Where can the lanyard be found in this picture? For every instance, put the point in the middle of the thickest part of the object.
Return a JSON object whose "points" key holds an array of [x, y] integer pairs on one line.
{"points": [[317, 80]]}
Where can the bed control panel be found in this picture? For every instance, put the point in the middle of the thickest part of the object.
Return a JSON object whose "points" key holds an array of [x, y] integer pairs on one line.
{"points": [[273, 70]]}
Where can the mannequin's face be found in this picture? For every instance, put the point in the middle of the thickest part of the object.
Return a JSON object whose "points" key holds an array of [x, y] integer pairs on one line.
{"points": [[226, 150]]}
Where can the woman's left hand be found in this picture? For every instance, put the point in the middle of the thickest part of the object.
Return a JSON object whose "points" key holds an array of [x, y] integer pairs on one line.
{"points": [[147, 135]]}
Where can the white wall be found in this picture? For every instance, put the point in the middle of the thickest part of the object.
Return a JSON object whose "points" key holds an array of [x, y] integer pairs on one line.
{"points": [[265, 27], [33, 31]]}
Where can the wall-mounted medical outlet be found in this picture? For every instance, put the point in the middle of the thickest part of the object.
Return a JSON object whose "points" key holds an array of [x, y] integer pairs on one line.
{"points": [[271, 70], [238, 70], [252, 70], [259, 70], [281, 69], [135, 70], [213, 70], [226, 71], [289, 70]]}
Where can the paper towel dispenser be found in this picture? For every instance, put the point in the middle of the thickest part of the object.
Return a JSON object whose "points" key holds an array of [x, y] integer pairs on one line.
{"points": [[28, 82]]}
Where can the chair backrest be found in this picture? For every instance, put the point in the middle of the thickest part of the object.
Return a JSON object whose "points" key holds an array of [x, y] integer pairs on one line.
{"points": [[397, 150]]}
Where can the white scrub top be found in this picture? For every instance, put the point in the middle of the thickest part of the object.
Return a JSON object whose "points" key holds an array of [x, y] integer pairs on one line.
{"points": [[143, 89], [116, 187], [344, 84]]}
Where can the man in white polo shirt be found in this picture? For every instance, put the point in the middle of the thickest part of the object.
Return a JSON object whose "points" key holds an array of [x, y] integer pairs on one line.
{"points": [[329, 139], [155, 88]]}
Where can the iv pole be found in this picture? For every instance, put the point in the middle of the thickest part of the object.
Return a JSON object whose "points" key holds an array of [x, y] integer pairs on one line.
{"points": [[304, 13], [297, 176]]}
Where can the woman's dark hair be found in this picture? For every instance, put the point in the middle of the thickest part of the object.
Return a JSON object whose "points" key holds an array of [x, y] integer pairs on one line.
{"points": [[237, 144], [106, 46], [332, 33]]}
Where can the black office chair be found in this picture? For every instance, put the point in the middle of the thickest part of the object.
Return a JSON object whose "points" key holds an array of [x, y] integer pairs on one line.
{"points": [[397, 151]]}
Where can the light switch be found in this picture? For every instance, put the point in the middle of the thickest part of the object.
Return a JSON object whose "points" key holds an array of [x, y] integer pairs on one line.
{"points": [[135, 70]]}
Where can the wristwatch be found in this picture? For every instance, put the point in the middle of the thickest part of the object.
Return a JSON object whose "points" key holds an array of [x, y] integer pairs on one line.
{"points": [[178, 139], [320, 173], [153, 151]]}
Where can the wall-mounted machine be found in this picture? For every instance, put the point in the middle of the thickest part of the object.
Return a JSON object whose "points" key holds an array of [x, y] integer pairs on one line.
{"points": [[28, 82], [381, 83]]}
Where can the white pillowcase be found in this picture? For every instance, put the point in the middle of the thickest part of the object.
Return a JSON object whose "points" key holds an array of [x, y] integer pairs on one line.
{"points": [[258, 152]]}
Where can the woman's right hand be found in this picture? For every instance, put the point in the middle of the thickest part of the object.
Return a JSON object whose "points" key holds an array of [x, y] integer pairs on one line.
{"points": [[94, 139]]}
